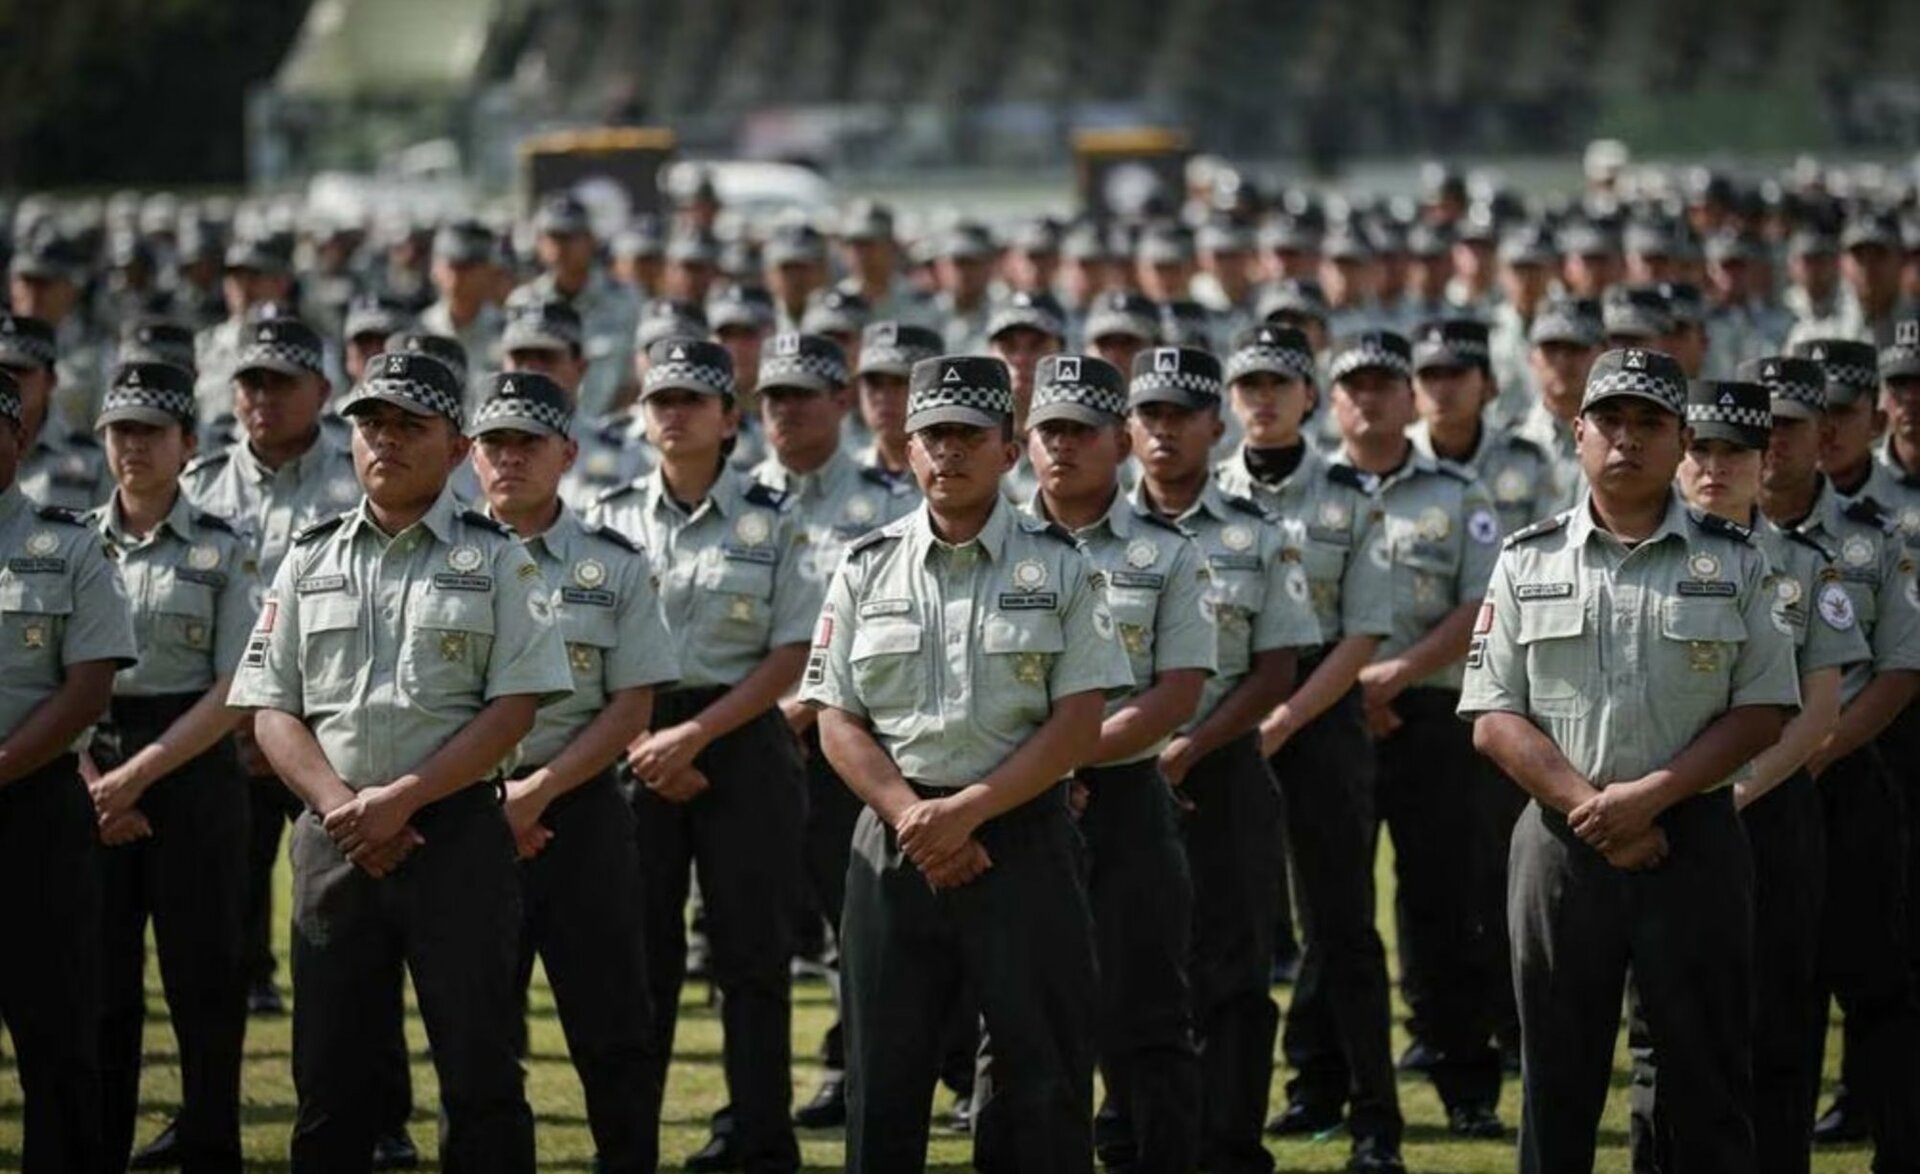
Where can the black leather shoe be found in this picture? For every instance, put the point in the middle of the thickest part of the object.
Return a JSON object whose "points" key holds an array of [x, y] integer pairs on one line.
{"points": [[1371, 1155], [396, 1151], [1419, 1057], [1841, 1124], [1479, 1122], [960, 1118], [828, 1108], [1285, 970], [1302, 1120], [718, 1154], [162, 1153], [263, 999]]}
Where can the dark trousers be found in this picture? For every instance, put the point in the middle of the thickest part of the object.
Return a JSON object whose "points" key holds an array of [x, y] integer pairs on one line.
{"points": [[1338, 1031], [270, 807], [1786, 833], [1685, 930], [1864, 954], [1141, 893], [451, 915], [189, 877], [743, 833], [1433, 794], [832, 810], [1229, 838], [583, 918], [1019, 940], [50, 980]]}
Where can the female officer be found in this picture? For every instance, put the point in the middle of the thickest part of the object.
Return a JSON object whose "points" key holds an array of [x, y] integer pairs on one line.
{"points": [[172, 804]]}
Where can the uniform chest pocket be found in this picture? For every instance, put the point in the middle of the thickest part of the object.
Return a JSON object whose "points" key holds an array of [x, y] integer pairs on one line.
{"points": [[1135, 613], [183, 613], [889, 672], [1553, 639], [1019, 651], [33, 623], [589, 632], [1699, 639], [448, 644], [737, 601], [332, 657]]}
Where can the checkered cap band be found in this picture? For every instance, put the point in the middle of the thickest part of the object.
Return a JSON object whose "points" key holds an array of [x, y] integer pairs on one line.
{"points": [[896, 357], [305, 358], [129, 390], [425, 394], [826, 368], [10, 405], [1368, 354], [1108, 400], [1191, 382], [1440, 344], [1737, 415], [682, 373], [997, 401], [1646, 384], [523, 408], [1291, 364], [21, 344], [1900, 359], [1796, 380]]}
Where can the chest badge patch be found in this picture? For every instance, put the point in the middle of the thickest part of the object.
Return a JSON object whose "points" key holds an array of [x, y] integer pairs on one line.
{"points": [[752, 529], [465, 559], [1236, 537], [1030, 574], [1141, 554], [589, 572], [42, 543]]}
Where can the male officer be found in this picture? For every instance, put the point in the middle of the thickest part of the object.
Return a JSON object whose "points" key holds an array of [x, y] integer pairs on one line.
{"points": [[398, 660], [888, 351], [64, 622], [1139, 886], [1260, 601], [608, 309], [466, 260], [960, 666], [1453, 386], [1623, 667], [572, 829], [1566, 337], [56, 467]]}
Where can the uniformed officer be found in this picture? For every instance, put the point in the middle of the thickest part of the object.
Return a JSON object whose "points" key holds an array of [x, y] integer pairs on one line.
{"points": [[1119, 325], [371, 320], [607, 308], [57, 467], [284, 474], [803, 401], [399, 658], [544, 338], [573, 831], [965, 269], [1623, 667], [65, 626], [466, 259], [1259, 597], [960, 667], [1453, 386], [742, 317], [1139, 885], [719, 783], [257, 274], [888, 351], [1566, 338], [172, 809]]}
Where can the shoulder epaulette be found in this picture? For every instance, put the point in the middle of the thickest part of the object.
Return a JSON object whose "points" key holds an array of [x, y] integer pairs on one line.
{"points": [[1543, 526], [763, 495], [83, 440], [617, 491], [1515, 439], [871, 539], [1246, 505], [1865, 509], [1715, 524], [1349, 476], [207, 461], [54, 513], [476, 518], [1153, 519], [319, 530], [213, 522], [1805, 539], [611, 535], [888, 481], [1450, 469]]}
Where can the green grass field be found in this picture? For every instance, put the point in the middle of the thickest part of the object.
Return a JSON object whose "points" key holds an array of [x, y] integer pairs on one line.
{"points": [[696, 1088]]}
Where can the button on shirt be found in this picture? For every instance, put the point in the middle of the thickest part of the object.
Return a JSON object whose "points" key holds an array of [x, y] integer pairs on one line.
{"points": [[1341, 523], [61, 603], [1441, 538], [193, 590], [955, 655], [1156, 588], [729, 570], [608, 609], [1878, 578], [270, 506], [389, 646], [1257, 592], [835, 504], [1623, 655]]}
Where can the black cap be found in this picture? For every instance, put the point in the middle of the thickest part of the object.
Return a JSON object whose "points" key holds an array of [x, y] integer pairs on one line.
{"points": [[1034, 311], [668, 318], [562, 215], [1452, 343], [523, 401], [1641, 374], [258, 256], [1852, 368], [1901, 359], [1185, 322], [835, 311], [695, 247], [49, 258], [688, 364], [1273, 350], [1735, 411], [1292, 300], [892, 348], [741, 305], [968, 240], [372, 313], [149, 393], [805, 361], [548, 324], [157, 340], [27, 342], [447, 351], [1381, 350], [1685, 302], [1798, 386], [1530, 244], [1636, 311], [419, 383], [1569, 320], [1120, 312], [10, 406], [866, 220], [1083, 389], [959, 389], [285, 345], [465, 242], [640, 239], [795, 244], [1871, 231], [1175, 375]]}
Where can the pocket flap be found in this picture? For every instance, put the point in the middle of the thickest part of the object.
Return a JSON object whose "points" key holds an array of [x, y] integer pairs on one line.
{"points": [[458, 611], [1558, 620], [871, 639], [329, 613], [1715, 620], [1027, 633], [28, 594]]}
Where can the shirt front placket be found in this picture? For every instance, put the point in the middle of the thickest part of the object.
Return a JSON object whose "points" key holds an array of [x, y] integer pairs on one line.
{"points": [[956, 575], [394, 564]]}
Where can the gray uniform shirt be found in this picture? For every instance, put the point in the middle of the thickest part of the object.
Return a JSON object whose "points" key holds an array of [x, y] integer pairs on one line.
{"points": [[1514, 470], [608, 313], [835, 504], [1871, 584], [68, 470], [1800, 565], [270, 506]]}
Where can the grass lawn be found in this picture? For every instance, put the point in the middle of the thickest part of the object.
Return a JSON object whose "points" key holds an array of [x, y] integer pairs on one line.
{"points": [[696, 1089]]}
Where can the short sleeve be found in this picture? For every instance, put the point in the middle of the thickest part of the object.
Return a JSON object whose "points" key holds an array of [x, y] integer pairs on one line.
{"points": [[796, 595], [1823, 645], [528, 653], [1764, 669], [643, 652], [1366, 594], [1481, 545], [234, 611], [268, 676], [1093, 658], [828, 680], [1184, 636], [1896, 629], [1496, 669], [1286, 618], [101, 626]]}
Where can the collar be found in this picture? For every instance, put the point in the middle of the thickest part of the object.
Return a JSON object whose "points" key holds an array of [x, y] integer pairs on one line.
{"points": [[439, 518], [179, 519], [1422, 438], [560, 539], [992, 539], [826, 481], [1120, 519], [1418, 461], [1890, 461], [1581, 526], [13, 503], [722, 496], [1211, 501], [303, 466]]}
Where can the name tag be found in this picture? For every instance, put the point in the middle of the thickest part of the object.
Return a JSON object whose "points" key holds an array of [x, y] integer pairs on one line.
{"points": [[886, 607], [1542, 590], [1151, 579], [1710, 587], [320, 584], [1028, 601], [1329, 535], [1234, 562], [587, 596], [37, 566], [447, 581], [763, 555], [214, 579]]}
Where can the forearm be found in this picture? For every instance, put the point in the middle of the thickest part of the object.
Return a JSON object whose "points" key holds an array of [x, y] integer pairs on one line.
{"points": [[190, 735], [1528, 757], [51, 728], [470, 755], [1149, 716], [1249, 701], [1055, 749], [1871, 712], [757, 692], [597, 745], [1443, 644], [1716, 752], [1330, 680], [861, 763], [297, 758], [1802, 736]]}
